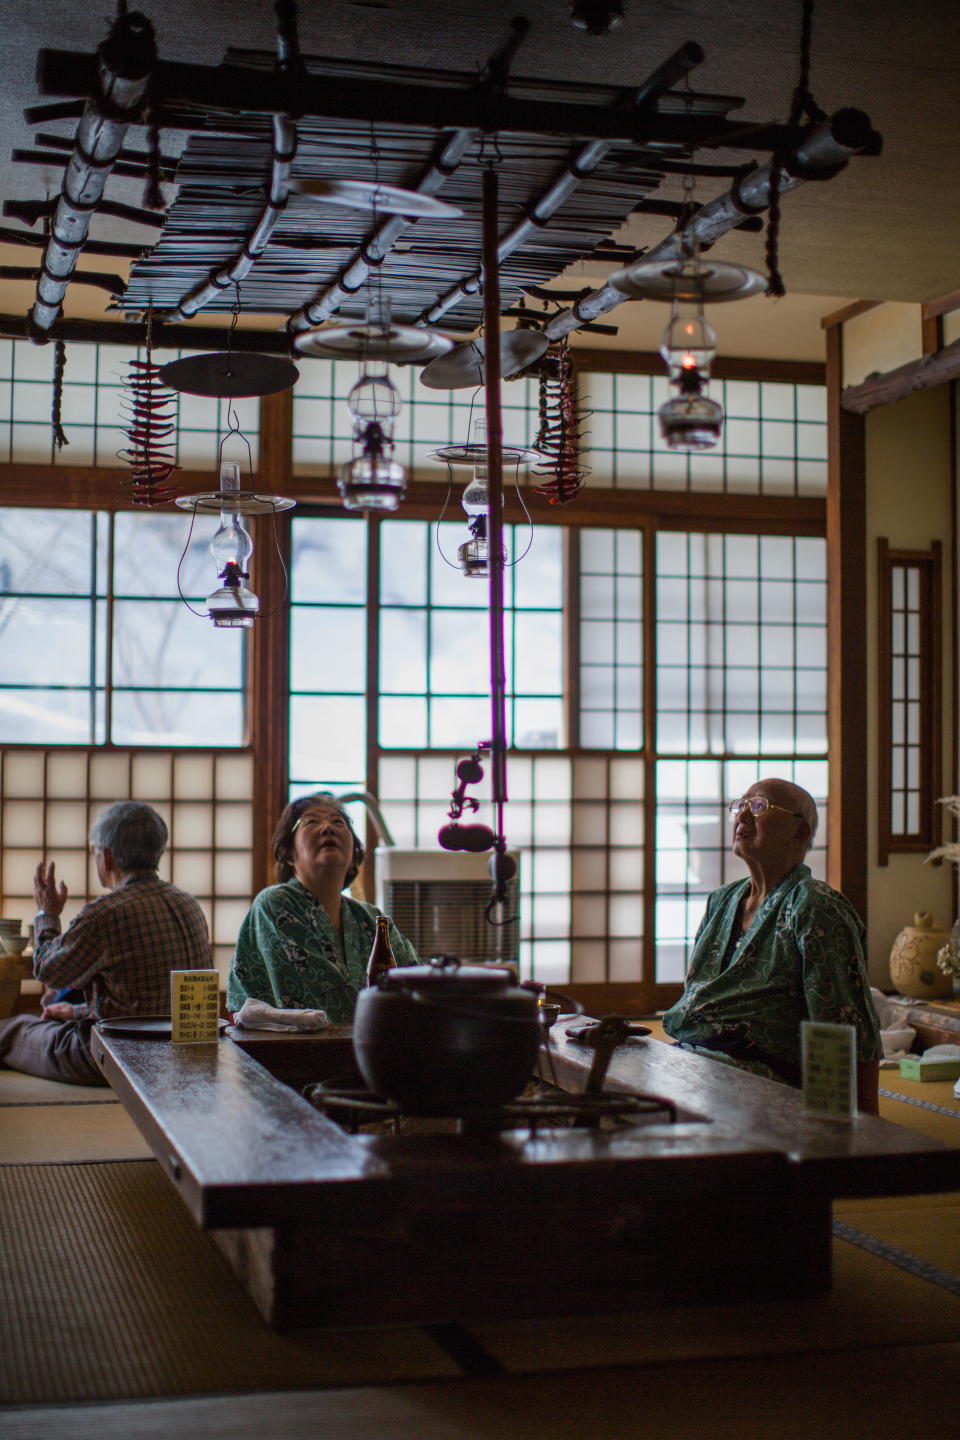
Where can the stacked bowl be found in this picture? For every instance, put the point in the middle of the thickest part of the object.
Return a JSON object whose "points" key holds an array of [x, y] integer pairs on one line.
{"points": [[12, 941]]}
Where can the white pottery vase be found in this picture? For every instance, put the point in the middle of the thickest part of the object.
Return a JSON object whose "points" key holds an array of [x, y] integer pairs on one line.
{"points": [[913, 960]]}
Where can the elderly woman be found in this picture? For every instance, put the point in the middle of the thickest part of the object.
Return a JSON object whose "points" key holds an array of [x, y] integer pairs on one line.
{"points": [[303, 944]]}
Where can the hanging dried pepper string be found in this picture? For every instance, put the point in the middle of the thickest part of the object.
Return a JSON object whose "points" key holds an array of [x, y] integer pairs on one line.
{"points": [[561, 430], [151, 411]]}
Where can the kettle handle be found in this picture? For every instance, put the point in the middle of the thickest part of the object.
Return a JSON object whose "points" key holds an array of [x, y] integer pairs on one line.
{"points": [[570, 1006]]}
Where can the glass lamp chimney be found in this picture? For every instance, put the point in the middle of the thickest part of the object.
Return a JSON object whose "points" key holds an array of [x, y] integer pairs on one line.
{"points": [[231, 604], [474, 554], [689, 342]]}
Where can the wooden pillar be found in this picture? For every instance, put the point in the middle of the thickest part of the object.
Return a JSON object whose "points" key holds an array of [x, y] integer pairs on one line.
{"points": [[847, 833], [268, 673]]}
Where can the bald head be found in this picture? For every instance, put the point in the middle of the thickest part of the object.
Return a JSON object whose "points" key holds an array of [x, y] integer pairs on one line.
{"points": [[792, 797]]}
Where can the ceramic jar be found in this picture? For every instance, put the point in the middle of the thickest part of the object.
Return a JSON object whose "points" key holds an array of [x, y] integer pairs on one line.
{"points": [[913, 960]]}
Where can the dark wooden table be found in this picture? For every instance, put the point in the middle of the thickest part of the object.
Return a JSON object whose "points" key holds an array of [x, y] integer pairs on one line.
{"points": [[731, 1203], [299, 1057]]}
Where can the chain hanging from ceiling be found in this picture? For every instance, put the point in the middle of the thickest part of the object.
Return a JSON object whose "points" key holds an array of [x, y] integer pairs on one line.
{"points": [[803, 104]]}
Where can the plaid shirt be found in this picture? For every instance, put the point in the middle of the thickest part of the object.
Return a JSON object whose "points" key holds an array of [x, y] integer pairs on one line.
{"points": [[121, 948]]}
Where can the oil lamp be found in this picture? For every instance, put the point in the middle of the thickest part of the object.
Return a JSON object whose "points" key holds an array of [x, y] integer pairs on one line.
{"points": [[373, 480], [232, 605], [473, 556], [689, 420]]}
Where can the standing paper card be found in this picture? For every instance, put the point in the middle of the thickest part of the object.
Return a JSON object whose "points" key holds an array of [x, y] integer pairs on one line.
{"points": [[829, 1070], [194, 1005]]}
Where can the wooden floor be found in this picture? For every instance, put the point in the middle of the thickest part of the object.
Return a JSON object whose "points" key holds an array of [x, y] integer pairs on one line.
{"points": [[880, 1356]]}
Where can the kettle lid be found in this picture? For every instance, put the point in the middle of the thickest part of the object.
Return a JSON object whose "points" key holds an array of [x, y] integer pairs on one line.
{"points": [[445, 971]]}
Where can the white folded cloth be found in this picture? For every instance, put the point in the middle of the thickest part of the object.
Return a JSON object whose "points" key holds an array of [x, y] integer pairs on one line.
{"points": [[896, 1036], [258, 1015]]}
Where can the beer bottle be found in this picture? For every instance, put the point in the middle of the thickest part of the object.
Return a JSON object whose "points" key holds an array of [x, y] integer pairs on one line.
{"points": [[381, 956]]}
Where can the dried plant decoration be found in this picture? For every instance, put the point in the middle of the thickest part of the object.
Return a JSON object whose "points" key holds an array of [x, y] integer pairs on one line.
{"points": [[562, 472], [950, 850], [151, 411]]}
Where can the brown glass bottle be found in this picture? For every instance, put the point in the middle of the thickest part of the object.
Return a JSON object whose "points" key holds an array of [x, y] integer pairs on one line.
{"points": [[381, 956]]}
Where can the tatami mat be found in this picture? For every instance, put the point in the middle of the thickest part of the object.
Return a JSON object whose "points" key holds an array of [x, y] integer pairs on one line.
{"points": [[871, 1303], [931, 1232], [69, 1135], [921, 1117], [17, 1089], [909, 1392], [140, 1303], [112, 1291]]}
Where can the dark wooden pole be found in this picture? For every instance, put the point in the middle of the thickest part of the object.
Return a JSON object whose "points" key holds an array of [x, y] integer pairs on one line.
{"points": [[268, 655], [846, 638], [491, 371]]}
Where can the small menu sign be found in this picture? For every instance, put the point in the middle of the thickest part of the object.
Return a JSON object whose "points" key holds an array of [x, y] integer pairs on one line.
{"points": [[195, 1006], [829, 1070]]}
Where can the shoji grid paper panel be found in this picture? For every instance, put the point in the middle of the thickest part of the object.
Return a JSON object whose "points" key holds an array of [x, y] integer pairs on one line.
{"points": [[328, 649], [578, 825], [94, 409], [434, 638], [741, 644], [774, 439], [906, 698], [694, 832], [49, 799], [611, 639]]}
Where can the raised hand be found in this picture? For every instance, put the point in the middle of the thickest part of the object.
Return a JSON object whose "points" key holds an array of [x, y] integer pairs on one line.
{"points": [[47, 894]]}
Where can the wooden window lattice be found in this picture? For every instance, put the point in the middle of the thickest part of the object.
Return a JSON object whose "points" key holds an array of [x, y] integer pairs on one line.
{"points": [[910, 686]]}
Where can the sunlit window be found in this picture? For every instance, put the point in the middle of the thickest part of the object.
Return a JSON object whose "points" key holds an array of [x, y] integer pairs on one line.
{"points": [[98, 645]]}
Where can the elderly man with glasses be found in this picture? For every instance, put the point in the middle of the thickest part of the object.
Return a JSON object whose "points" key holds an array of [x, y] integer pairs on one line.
{"points": [[775, 949]]}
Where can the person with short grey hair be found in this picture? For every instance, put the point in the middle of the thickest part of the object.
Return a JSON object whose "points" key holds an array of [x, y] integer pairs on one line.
{"points": [[117, 953], [135, 834]]}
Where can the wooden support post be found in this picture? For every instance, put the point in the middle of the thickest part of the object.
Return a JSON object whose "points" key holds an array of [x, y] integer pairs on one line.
{"points": [[846, 637], [268, 656], [491, 362]]}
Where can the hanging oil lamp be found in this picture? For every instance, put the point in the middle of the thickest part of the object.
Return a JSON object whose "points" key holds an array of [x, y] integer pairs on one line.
{"points": [[373, 480], [473, 556], [232, 604], [689, 420]]}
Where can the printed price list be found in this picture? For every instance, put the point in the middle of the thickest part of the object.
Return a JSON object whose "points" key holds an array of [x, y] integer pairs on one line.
{"points": [[829, 1070], [194, 1006]]}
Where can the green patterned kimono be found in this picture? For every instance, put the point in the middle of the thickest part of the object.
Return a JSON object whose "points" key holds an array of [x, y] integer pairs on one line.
{"points": [[801, 959], [290, 955]]}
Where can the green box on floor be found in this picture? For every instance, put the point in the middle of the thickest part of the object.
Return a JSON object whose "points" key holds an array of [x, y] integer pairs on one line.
{"points": [[914, 1067]]}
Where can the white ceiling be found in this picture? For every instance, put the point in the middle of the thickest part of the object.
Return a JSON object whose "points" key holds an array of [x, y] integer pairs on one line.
{"points": [[885, 228]]}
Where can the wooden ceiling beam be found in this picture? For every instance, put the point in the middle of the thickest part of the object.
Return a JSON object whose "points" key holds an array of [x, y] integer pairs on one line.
{"points": [[384, 97]]}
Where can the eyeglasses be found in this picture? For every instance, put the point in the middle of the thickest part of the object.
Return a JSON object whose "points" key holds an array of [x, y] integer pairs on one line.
{"points": [[314, 819], [758, 805]]}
